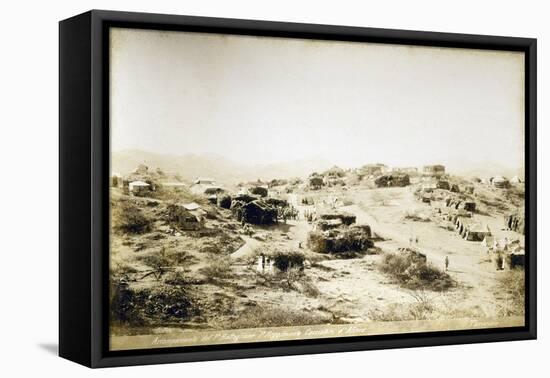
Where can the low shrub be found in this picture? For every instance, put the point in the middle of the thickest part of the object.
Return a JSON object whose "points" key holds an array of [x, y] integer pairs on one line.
{"points": [[150, 306], [128, 218], [121, 268], [218, 269], [283, 260], [228, 243], [165, 261], [415, 273], [421, 309], [176, 279], [275, 317], [512, 284], [306, 287]]}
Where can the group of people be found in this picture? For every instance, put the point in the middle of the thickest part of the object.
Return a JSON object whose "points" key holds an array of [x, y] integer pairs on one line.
{"points": [[310, 215], [264, 264], [413, 240], [287, 213], [307, 201]]}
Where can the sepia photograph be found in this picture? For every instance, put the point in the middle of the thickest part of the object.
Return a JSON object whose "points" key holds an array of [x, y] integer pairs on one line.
{"points": [[269, 189]]}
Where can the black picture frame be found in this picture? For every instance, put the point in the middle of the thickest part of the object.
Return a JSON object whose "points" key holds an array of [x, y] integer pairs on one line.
{"points": [[84, 190]]}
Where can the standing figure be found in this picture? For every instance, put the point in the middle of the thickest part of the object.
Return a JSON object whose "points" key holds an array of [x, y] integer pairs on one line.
{"points": [[446, 263], [259, 266]]}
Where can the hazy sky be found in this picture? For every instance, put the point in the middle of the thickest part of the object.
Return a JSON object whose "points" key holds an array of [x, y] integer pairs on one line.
{"points": [[259, 100]]}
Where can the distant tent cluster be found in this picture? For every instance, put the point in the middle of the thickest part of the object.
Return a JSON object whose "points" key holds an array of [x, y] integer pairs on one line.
{"points": [[502, 182]]}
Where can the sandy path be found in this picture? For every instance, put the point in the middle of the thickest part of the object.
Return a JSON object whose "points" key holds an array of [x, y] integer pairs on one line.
{"points": [[465, 256], [247, 249], [297, 231], [356, 289]]}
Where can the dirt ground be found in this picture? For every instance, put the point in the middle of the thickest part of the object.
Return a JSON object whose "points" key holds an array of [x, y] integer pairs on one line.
{"points": [[330, 290]]}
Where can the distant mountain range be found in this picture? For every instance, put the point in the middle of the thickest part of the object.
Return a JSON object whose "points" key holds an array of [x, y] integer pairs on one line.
{"points": [[216, 167], [226, 171]]}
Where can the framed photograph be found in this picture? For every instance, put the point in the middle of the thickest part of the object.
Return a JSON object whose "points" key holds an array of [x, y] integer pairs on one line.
{"points": [[235, 188]]}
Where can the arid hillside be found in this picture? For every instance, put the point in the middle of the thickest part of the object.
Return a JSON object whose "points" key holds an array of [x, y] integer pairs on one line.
{"points": [[335, 247]]}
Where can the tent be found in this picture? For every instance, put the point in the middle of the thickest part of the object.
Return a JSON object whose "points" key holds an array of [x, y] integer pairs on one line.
{"points": [[257, 212], [183, 218], [138, 187], [392, 180]]}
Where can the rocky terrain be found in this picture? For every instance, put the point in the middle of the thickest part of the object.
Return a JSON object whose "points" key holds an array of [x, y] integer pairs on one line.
{"points": [[347, 248]]}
